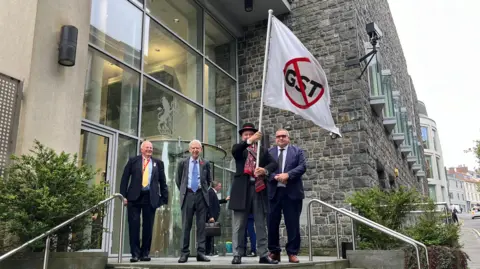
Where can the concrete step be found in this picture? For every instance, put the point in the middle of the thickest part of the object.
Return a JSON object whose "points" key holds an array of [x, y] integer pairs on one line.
{"points": [[225, 262]]}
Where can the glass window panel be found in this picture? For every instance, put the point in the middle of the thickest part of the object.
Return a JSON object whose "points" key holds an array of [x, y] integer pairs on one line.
{"points": [[428, 160], [220, 133], [166, 115], [220, 46], [434, 138], [432, 192], [127, 148], [183, 17], [220, 93], [170, 61], [424, 137], [111, 95], [116, 27], [387, 89], [138, 3], [439, 168], [375, 77]]}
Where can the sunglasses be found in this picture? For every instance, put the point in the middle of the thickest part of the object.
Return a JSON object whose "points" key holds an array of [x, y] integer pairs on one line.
{"points": [[281, 136]]}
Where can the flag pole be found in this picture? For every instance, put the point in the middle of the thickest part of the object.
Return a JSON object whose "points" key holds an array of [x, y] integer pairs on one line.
{"points": [[267, 49]]}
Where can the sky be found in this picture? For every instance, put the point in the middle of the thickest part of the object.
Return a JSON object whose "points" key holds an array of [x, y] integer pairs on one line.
{"points": [[441, 43]]}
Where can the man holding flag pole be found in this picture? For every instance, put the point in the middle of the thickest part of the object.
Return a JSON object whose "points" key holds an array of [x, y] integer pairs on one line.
{"points": [[293, 80]]}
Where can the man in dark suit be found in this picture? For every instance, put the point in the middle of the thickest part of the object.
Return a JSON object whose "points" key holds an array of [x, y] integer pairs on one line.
{"points": [[193, 180], [214, 212], [285, 192], [146, 192], [248, 193]]}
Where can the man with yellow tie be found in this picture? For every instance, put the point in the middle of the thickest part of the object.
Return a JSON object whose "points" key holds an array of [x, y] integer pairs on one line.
{"points": [[146, 192]]}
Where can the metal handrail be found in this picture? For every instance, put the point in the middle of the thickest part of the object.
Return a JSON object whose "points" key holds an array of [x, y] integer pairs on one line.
{"points": [[393, 231], [359, 219], [51, 231]]}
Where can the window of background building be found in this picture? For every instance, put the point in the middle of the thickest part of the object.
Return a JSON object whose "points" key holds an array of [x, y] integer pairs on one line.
{"points": [[424, 130], [220, 46], [432, 192], [434, 138], [439, 167], [428, 166]]}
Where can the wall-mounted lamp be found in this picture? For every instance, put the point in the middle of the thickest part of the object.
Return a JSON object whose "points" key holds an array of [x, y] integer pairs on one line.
{"points": [[67, 48], [248, 5], [374, 35]]}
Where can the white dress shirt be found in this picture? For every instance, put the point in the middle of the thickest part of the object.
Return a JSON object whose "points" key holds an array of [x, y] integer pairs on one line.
{"points": [[280, 184]]}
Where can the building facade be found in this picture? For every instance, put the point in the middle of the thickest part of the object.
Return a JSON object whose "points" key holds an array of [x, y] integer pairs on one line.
{"points": [[456, 193], [471, 182], [435, 171], [172, 71]]}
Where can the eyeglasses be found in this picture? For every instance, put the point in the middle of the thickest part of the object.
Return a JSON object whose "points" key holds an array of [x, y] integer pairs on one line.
{"points": [[281, 136]]}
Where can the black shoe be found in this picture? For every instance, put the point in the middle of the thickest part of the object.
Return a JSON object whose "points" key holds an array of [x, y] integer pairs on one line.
{"points": [[237, 260], [267, 260], [202, 258], [134, 259], [145, 259], [183, 259]]}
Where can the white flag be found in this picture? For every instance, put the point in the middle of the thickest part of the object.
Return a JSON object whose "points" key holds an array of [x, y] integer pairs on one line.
{"points": [[289, 63]]}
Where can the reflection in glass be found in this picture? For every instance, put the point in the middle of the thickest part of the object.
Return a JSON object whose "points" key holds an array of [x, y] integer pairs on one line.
{"points": [[111, 94], [94, 152], [387, 90], [220, 46], [183, 17], [220, 133], [171, 62], [428, 160], [220, 93], [424, 137], [127, 148], [166, 115], [116, 27], [167, 229]]}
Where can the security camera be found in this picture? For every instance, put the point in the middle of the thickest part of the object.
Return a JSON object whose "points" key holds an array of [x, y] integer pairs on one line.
{"points": [[373, 31]]}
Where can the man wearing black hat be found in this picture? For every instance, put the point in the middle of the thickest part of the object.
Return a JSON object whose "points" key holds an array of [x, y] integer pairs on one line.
{"points": [[248, 192]]}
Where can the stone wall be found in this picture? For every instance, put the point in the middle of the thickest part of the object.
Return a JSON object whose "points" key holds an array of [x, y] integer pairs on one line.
{"points": [[334, 32]]}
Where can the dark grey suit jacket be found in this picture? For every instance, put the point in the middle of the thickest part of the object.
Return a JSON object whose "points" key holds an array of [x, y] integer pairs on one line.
{"points": [[182, 178]]}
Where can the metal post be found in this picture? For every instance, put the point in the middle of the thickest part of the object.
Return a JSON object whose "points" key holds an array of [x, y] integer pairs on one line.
{"points": [[337, 236], [120, 239], [353, 229], [47, 253], [309, 228]]}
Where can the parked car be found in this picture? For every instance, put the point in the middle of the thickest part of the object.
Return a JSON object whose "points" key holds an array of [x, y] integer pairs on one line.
{"points": [[475, 212]]}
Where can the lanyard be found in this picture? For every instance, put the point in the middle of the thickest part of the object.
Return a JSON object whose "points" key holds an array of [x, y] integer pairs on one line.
{"points": [[145, 166]]}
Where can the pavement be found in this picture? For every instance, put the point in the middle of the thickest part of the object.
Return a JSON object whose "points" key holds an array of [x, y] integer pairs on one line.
{"points": [[470, 238]]}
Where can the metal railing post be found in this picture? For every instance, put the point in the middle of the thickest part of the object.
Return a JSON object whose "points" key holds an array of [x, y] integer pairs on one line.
{"points": [[337, 236], [47, 253], [122, 221], [353, 229], [309, 228]]}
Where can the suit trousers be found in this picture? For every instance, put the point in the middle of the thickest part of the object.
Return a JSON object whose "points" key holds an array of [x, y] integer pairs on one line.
{"points": [[194, 204], [141, 206], [240, 219], [291, 215]]}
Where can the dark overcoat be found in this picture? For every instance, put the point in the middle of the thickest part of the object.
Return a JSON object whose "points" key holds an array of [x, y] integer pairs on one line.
{"points": [[239, 199]]}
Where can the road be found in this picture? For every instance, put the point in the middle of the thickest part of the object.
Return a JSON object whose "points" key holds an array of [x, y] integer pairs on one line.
{"points": [[470, 238]]}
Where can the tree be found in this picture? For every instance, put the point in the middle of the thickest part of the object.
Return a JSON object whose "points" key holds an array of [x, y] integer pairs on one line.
{"points": [[42, 190]]}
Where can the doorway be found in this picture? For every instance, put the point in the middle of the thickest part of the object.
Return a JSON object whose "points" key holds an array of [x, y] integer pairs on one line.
{"points": [[97, 150]]}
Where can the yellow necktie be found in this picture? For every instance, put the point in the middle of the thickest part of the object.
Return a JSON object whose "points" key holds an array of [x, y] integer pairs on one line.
{"points": [[145, 174]]}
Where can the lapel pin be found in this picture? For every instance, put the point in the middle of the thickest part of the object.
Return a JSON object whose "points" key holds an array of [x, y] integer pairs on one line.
{"points": [[154, 164]]}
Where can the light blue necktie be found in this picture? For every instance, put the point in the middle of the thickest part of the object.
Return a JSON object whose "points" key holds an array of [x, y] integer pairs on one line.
{"points": [[195, 177]]}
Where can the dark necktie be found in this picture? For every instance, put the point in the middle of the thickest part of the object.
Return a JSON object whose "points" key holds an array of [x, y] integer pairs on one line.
{"points": [[280, 161]]}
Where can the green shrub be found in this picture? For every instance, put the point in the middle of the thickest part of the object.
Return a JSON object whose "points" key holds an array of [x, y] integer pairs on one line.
{"points": [[389, 209], [439, 257], [42, 190]]}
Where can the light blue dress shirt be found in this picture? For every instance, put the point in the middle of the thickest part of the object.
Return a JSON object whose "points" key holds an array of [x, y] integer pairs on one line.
{"points": [[190, 172]]}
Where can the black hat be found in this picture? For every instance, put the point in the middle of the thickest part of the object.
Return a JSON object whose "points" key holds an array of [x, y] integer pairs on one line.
{"points": [[248, 127]]}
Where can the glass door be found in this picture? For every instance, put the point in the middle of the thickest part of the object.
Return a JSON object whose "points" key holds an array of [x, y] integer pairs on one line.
{"points": [[96, 150]]}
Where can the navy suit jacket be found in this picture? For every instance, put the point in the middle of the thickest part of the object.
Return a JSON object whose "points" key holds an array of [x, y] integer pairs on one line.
{"points": [[132, 173], [295, 166], [214, 206]]}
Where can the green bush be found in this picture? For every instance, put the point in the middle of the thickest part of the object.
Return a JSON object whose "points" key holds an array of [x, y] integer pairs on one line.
{"points": [[439, 257], [389, 209], [42, 190]]}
